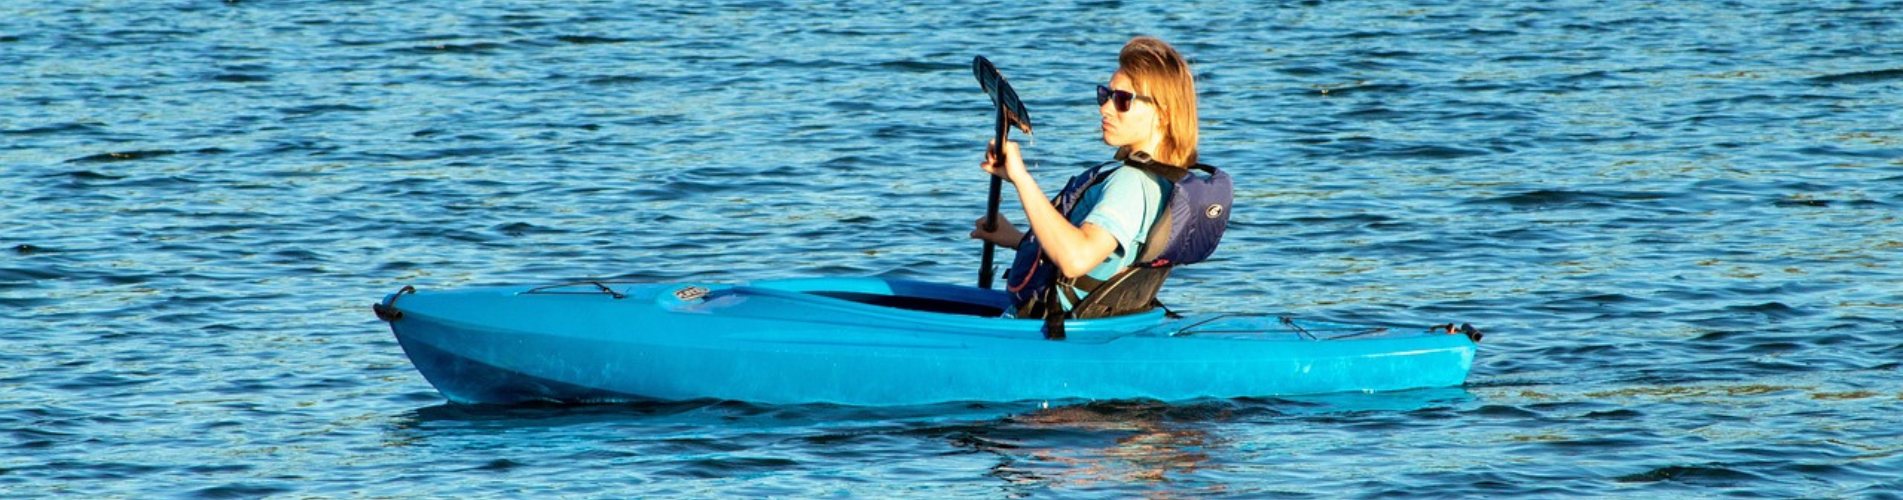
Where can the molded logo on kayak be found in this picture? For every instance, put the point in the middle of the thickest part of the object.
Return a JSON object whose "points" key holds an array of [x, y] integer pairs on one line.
{"points": [[1214, 211], [690, 293]]}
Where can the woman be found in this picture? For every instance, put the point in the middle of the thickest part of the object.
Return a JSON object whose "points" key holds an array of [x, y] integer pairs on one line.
{"points": [[1149, 113]]}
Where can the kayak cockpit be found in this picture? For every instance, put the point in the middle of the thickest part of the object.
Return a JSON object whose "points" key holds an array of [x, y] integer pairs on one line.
{"points": [[908, 295], [918, 305], [921, 304]]}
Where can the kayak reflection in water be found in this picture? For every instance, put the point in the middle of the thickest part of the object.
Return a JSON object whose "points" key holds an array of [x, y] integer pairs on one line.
{"points": [[1139, 445], [1097, 236]]}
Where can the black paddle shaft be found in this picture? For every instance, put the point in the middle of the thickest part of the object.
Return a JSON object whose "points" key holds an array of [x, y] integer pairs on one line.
{"points": [[985, 270], [1010, 112]]}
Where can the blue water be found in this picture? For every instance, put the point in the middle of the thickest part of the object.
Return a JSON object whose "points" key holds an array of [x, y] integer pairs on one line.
{"points": [[1679, 222]]}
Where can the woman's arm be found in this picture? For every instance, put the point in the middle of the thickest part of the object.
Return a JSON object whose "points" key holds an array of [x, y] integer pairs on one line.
{"points": [[1007, 235], [1076, 250]]}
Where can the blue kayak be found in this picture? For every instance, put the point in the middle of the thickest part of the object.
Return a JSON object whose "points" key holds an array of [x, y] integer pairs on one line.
{"points": [[872, 341]]}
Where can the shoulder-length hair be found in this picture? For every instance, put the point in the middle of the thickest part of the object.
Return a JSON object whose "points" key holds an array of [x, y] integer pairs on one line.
{"points": [[1157, 70]]}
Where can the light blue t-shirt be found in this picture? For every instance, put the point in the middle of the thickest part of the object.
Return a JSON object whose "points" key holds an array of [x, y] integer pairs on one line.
{"points": [[1126, 205]]}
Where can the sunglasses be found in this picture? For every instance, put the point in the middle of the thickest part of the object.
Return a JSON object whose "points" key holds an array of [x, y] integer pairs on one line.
{"points": [[1122, 98]]}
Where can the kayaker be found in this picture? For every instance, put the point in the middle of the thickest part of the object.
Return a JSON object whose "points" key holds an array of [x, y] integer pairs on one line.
{"points": [[1149, 116]]}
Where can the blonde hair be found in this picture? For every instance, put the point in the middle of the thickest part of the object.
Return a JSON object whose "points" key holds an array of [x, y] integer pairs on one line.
{"points": [[1158, 71]]}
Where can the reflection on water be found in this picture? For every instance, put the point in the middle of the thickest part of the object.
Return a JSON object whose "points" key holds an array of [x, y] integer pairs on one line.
{"points": [[1146, 444], [1153, 448], [1143, 448]]}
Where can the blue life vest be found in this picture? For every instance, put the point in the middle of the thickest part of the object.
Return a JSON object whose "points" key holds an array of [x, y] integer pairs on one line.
{"points": [[1187, 231]]}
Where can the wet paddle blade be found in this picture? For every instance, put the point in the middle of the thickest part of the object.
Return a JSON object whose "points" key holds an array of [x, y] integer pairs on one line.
{"points": [[1001, 93]]}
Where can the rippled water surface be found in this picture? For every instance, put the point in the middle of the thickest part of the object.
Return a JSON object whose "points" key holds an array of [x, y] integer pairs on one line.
{"points": [[1679, 222]]}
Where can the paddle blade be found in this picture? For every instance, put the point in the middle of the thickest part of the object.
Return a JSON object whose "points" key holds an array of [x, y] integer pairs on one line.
{"points": [[1001, 94]]}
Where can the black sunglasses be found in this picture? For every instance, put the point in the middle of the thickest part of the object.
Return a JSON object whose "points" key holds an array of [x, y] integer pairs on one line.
{"points": [[1123, 98]]}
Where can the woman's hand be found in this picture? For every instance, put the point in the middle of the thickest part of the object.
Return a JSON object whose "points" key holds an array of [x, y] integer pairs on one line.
{"points": [[1006, 236], [1013, 168]]}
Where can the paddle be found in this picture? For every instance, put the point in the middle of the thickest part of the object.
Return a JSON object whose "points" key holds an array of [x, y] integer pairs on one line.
{"points": [[1010, 112]]}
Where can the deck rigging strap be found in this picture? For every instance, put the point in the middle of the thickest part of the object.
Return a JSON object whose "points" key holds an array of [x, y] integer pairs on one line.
{"points": [[599, 288], [1289, 321]]}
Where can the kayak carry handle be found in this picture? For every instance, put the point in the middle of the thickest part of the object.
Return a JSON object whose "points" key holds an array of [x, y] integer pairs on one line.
{"points": [[1467, 329], [387, 310]]}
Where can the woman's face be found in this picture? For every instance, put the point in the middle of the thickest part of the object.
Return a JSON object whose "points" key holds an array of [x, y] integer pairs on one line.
{"points": [[1135, 127]]}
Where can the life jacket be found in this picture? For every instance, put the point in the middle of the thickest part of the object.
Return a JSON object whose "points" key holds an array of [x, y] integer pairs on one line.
{"points": [[1187, 230]]}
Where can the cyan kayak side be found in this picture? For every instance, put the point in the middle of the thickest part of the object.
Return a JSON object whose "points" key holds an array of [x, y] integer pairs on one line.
{"points": [[483, 345]]}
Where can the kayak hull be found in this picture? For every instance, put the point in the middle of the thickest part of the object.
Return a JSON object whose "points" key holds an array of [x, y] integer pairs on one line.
{"points": [[876, 342]]}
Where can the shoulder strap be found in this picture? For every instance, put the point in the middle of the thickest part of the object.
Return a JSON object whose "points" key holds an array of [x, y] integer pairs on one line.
{"points": [[1073, 192], [1143, 161]]}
